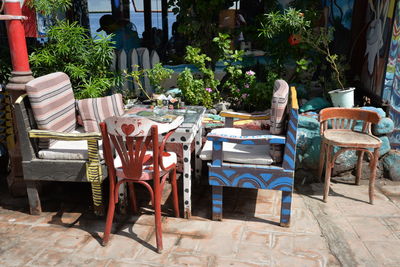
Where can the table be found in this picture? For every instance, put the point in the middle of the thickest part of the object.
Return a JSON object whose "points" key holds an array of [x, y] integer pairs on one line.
{"points": [[189, 130]]}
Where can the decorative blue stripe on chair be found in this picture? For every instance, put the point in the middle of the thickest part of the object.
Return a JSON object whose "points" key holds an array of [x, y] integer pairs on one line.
{"points": [[289, 160], [216, 209], [295, 113], [291, 149], [274, 177], [290, 134], [217, 145]]}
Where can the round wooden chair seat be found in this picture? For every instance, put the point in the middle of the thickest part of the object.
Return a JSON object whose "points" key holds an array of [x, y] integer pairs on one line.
{"points": [[349, 138]]}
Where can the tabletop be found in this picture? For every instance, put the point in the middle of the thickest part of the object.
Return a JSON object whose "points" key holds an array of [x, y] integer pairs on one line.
{"points": [[186, 131]]}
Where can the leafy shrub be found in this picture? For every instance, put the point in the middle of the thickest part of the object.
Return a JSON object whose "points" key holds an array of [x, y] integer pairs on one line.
{"points": [[157, 75], [85, 60], [200, 89]]}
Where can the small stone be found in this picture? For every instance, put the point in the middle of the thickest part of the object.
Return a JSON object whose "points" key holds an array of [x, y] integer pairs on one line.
{"points": [[212, 111], [222, 106]]}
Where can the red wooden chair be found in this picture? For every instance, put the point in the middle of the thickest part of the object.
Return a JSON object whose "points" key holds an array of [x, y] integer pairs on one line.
{"points": [[140, 158]]}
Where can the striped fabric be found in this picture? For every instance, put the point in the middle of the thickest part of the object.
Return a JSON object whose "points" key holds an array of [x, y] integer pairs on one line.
{"points": [[95, 110], [278, 108], [53, 104]]}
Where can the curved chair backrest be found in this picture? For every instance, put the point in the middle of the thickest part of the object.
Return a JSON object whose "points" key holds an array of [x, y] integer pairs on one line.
{"points": [[131, 138], [347, 118]]}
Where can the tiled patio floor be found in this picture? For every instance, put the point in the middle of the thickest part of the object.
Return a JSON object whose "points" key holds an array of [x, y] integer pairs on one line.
{"points": [[346, 231]]}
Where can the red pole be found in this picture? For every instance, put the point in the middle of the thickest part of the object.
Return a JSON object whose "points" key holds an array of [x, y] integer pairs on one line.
{"points": [[16, 37], [20, 75]]}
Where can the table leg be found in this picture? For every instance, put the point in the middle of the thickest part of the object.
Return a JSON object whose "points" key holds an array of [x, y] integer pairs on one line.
{"points": [[187, 182], [197, 150], [122, 198]]}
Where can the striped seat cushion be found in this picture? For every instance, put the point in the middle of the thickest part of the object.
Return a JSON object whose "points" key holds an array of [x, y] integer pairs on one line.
{"points": [[95, 110], [279, 102], [53, 104]]}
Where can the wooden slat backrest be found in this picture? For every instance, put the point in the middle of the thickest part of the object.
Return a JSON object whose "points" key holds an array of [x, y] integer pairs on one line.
{"points": [[346, 118]]}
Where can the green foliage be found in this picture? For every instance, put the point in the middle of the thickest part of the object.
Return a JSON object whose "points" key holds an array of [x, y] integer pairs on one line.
{"points": [[194, 56], [198, 21], [194, 90], [234, 79], [259, 94], [157, 75], [320, 41], [310, 50], [277, 28], [49, 7], [137, 77], [86, 61], [290, 21]]}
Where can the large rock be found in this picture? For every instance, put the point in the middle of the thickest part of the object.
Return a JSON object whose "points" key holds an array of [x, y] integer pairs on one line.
{"points": [[385, 148], [366, 170], [346, 161], [308, 143], [385, 126], [391, 165]]}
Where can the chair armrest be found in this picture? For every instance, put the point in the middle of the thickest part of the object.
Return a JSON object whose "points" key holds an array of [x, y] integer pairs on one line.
{"points": [[245, 116], [64, 136], [247, 140]]}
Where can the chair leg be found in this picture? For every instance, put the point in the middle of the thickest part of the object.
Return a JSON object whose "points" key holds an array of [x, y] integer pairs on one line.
{"points": [[359, 166], [328, 171], [110, 216], [97, 198], [33, 196], [157, 214], [217, 199], [321, 161], [132, 197], [373, 165], [286, 204], [175, 192]]}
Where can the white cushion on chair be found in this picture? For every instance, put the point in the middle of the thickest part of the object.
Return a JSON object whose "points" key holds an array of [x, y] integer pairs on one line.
{"points": [[68, 150], [237, 153], [169, 159]]}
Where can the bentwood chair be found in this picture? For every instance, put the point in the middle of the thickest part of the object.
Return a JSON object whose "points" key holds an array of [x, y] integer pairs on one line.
{"points": [[348, 129], [140, 159]]}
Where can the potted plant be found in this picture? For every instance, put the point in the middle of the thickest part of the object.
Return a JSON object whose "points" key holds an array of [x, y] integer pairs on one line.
{"points": [[303, 40], [342, 96]]}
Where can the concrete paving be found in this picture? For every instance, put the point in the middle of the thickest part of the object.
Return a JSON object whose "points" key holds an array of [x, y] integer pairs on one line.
{"points": [[346, 231]]}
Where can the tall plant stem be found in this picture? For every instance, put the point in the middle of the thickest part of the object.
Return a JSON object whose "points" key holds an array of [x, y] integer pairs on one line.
{"points": [[329, 57], [139, 83]]}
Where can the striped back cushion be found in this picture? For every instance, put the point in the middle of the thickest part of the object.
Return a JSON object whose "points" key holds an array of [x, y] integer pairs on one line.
{"points": [[53, 104], [278, 107], [95, 110], [279, 102]]}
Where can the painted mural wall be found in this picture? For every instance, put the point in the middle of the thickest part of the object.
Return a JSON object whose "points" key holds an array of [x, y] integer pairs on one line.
{"points": [[391, 91]]}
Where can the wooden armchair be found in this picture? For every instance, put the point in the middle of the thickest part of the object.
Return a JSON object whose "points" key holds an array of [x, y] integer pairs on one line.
{"points": [[53, 148], [253, 158]]}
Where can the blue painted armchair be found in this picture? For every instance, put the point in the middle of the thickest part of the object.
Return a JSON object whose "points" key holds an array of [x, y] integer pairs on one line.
{"points": [[258, 159]]}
